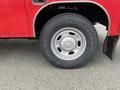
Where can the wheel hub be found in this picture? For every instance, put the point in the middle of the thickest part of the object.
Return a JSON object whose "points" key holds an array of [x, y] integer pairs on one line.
{"points": [[68, 43]]}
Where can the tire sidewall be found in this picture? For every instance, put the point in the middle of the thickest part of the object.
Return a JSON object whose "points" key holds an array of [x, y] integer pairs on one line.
{"points": [[78, 22]]}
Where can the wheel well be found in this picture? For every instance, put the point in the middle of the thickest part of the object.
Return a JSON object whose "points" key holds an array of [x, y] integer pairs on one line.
{"points": [[91, 11]]}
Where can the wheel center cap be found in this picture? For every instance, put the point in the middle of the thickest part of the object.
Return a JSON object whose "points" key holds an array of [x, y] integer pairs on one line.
{"points": [[68, 43]]}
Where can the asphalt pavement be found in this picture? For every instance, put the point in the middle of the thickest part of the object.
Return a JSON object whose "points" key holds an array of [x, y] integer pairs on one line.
{"points": [[22, 67]]}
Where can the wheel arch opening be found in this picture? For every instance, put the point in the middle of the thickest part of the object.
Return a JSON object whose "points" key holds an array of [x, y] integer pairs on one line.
{"points": [[93, 12]]}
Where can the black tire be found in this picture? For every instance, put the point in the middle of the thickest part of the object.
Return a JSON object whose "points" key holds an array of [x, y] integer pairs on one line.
{"points": [[69, 20]]}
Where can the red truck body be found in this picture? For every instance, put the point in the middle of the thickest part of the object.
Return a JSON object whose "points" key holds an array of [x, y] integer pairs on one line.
{"points": [[26, 19], [17, 17]]}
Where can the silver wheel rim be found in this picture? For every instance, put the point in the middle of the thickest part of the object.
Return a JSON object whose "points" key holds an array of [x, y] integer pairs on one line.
{"points": [[68, 43]]}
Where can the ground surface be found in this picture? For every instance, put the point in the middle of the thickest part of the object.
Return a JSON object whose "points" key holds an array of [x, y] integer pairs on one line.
{"points": [[22, 67]]}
